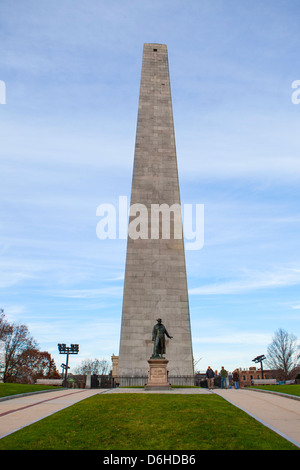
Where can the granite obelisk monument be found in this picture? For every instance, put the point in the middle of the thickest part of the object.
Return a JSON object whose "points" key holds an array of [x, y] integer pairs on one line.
{"points": [[155, 285]]}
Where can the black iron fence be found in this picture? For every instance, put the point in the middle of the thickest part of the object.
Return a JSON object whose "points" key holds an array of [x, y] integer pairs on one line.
{"points": [[102, 381], [197, 380], [107, 381]]}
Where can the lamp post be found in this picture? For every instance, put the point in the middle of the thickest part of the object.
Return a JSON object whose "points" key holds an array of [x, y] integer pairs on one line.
{"points": [[63, 349], [260, 359]]}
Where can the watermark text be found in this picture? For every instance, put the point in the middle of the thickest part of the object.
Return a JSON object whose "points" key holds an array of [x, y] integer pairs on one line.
{"points": [[158, 221], [296, 94], [2, 92]]}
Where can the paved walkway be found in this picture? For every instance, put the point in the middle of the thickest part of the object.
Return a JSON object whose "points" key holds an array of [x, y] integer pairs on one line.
{"points": [[24, 410], [281, 414]]}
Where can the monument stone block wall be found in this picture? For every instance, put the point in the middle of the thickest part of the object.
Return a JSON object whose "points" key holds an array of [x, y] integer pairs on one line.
{"points": [[155, 284]]}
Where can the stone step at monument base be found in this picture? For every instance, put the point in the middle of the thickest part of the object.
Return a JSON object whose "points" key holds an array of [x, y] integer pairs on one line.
{"points": [[157, 388]]}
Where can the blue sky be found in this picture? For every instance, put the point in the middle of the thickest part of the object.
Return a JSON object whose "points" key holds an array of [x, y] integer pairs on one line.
{"points": [[67, 134]]}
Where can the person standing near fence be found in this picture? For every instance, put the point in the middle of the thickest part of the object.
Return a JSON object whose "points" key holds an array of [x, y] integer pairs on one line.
{"points": [[236, 378], [224, 375], [210, 378]]}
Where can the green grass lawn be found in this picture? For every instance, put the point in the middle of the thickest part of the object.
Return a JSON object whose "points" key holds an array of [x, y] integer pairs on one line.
{"points": [[147, 422], [15, 389], [293, 389]]}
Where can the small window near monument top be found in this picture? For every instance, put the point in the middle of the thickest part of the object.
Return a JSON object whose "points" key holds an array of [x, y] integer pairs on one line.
{"points": [[154, 50]]}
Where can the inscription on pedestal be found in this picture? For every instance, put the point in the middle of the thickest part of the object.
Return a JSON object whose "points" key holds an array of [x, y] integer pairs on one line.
{"points": [[158, 375]]}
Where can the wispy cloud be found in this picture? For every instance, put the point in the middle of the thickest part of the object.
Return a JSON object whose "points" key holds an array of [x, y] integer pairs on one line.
{"points": [[254, 281], [88, 293], [234, 338], [16, 272]]}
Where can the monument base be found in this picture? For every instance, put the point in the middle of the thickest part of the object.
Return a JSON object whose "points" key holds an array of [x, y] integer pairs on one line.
{"points": [[158, 375]]}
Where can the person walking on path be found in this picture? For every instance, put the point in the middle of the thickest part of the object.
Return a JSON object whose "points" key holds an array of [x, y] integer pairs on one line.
{"points": [[224, 375], [210, 378], [236, 378]]}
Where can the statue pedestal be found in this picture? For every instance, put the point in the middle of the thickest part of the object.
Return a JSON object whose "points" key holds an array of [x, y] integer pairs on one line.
{"points": [[158, 375]]}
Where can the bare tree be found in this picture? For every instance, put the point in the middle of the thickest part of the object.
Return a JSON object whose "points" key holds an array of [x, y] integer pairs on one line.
{"points": [[282, 352], [5, 327], [96, 366], [195, 364]]}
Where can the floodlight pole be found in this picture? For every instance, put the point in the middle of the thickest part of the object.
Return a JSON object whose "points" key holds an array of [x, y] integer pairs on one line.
{"points": [[260, 359], [63, 349], [67, 367]]}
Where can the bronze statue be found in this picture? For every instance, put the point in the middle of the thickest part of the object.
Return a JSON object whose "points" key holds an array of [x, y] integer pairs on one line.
{"points": [[158, 336]]}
